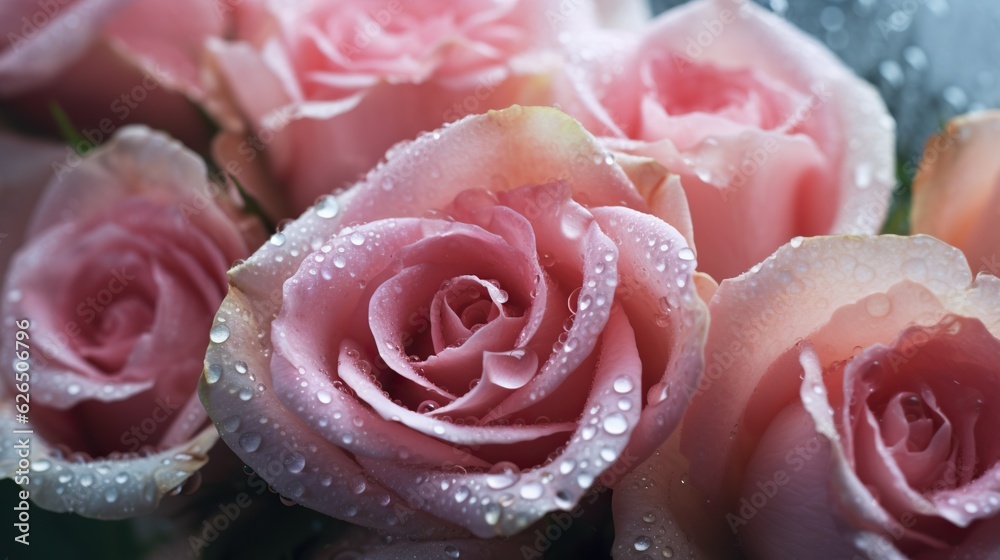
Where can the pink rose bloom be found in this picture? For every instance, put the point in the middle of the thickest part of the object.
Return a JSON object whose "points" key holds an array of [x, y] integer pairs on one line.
{"points": [[321, 89], [107, 304], [772, 135], [956, 193], [848, 410], [107, 63], [476, 348]]}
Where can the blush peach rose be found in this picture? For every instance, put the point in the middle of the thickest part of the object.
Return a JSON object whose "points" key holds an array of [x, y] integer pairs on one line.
{"points": [[107, 304], [850, 402], [470, 338], [772, 135], [956, 193]]}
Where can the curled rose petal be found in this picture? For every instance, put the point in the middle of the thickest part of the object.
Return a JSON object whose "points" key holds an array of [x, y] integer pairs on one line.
{"points": [[468, 352]]}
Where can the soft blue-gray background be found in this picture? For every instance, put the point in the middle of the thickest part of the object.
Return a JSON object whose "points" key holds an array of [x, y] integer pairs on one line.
{"points": [[930, 59]]}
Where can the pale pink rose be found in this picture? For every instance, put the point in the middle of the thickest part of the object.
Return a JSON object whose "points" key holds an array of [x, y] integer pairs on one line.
{"points": [[107, 63], [956, 193], [476, 348], [113, 289], [321, 89], [848, 410], [772, 135]]}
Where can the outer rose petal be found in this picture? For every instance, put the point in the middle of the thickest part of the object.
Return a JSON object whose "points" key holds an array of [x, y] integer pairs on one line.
{"points": [[25, 167], [956, 193], [35, 54], [103, 489], [173, 53]]}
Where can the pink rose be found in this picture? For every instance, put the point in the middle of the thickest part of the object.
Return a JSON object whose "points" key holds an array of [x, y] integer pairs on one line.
{"points": [[107, 63], [325, 88], [772, 135], [848, 410], [956, 193], [107, 304], [475, 349]]}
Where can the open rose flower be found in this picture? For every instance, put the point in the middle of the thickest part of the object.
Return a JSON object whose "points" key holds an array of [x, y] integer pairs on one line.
{"points": [[956, 193], [849, 405], [478, 346], [326, 87], [107, 307], [772, 135]]}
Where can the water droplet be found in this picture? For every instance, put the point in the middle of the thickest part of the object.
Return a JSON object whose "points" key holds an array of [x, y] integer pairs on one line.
{"points": [[462, 494], [357, 239], [86, 481], [250, 442], [971, 507], [111, 495], [73, 389], [219, 334], [231, 424], [649, 517], [615, 423], [327, 206], [623, 384], [427, 406], [584, 480], [685, 254], [241, 367], [324, 397], [532, 491], [121, 478], [667, 552], [492, 514], [864, 273], [452, 552], [878, 305], [213, 373], [567, 466], [278, 239], [295, 462], [503, 475], [642, 543], [246, 394]]}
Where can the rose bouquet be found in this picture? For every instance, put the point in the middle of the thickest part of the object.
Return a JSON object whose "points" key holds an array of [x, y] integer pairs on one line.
{"points": [[486, 279]]}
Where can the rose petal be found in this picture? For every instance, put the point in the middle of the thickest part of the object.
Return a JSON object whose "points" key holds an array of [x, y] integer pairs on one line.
{"points": [[302, 464], [103, 489], [507, 504], [957, 181]]}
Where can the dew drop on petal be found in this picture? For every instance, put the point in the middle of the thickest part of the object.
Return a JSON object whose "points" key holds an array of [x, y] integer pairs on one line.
{"points": [[615, 424], [642, 543], [327, 206], [249, 442], [532, 491], [213, 373], [219, 334], [623, 384]]}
